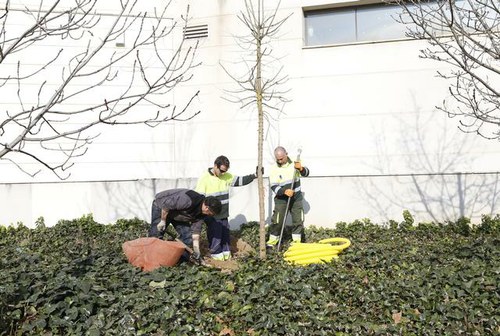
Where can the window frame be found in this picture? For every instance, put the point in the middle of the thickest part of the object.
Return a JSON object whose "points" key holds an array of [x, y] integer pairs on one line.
{"points": [[346, 6]]}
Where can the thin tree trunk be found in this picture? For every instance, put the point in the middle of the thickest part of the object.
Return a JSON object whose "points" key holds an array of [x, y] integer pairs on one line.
{"points": [[258, 92]]}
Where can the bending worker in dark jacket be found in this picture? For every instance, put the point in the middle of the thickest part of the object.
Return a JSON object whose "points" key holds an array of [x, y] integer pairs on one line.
{"points": [[185, 209]]}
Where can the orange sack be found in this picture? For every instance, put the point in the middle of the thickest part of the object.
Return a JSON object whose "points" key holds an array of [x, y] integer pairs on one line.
{"points": [[150, 253]]}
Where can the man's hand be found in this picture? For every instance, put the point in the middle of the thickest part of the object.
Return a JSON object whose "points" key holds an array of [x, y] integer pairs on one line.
{"points": [[289, 192], [195, 258], [257, 171], [298, 165], [161, 226]]}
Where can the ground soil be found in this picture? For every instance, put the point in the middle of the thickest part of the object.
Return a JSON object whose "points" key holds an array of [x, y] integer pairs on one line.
{"points": [[239, 249]]}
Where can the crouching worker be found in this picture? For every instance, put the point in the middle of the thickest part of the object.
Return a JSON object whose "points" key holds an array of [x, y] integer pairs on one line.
{"points": [[185, 209]]}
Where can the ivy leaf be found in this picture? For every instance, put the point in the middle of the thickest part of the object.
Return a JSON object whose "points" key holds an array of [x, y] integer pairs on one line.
{"points": [[156, 284]]}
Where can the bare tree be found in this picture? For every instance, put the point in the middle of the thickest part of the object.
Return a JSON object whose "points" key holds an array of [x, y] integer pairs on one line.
{"points": [[68, 67], [260, 87], [466, 35]]}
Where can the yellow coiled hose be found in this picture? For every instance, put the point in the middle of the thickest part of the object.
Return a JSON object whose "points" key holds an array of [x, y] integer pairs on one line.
{"points": [[315, 253]]}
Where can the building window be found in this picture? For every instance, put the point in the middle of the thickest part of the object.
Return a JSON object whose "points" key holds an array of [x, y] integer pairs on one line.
{"points": [[382, 22], [353, 24]]}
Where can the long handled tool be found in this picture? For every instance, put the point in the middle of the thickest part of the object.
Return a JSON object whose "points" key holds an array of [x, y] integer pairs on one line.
{"points": [[287, 210]]}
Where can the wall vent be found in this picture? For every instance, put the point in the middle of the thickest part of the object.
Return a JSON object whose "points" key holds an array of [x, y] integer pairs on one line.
{"points": [[194, 32]]}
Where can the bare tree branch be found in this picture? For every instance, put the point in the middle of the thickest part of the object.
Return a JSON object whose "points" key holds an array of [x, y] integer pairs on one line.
{"points": [[466, 35], [89, 80], [259, 88]]}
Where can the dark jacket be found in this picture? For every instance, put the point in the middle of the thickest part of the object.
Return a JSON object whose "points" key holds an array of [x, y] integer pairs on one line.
{"points": [[183, 205]]}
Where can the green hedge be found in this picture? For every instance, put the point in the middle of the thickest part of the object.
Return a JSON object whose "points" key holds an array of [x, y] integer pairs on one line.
{"points": [[397, 278]]}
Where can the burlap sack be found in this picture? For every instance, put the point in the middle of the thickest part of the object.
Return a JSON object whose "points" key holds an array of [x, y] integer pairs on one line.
{"points": [[150, 253]]}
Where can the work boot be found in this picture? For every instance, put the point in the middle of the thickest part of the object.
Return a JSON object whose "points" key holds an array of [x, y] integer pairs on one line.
{"points": [[273, 240], [218, 256], [271, 244]]}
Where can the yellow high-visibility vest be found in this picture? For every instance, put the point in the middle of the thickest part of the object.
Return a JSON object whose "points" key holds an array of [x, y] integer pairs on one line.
{"points": [[281, 178]]}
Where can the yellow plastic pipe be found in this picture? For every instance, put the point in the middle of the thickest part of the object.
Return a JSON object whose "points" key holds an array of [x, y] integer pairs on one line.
{"points": [[312, 253], [304, 251]]}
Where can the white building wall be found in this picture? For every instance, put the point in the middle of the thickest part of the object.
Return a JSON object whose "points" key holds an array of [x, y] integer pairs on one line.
{"points": [[363, 114]]}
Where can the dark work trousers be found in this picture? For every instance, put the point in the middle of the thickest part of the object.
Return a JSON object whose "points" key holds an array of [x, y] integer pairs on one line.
{"points": [[183, 229], [296, 213], [218, 235], [155, 219]]}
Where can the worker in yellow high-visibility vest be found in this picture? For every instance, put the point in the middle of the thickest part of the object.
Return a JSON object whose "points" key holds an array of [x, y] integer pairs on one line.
{"points": [[284, 179], [216, 182]]}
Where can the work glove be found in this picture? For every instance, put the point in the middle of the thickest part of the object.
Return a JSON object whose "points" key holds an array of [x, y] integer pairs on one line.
{"points": [[289, 192], [257, 171], [161, 226], [195, 258], [196, 246], [196, 255], [298, 165]]}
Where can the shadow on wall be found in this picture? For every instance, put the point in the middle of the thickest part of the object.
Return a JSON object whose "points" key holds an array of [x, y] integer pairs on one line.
{"points": [[307, 205], [131, 199], [438, 198], [434, 187], [236, 222]]}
